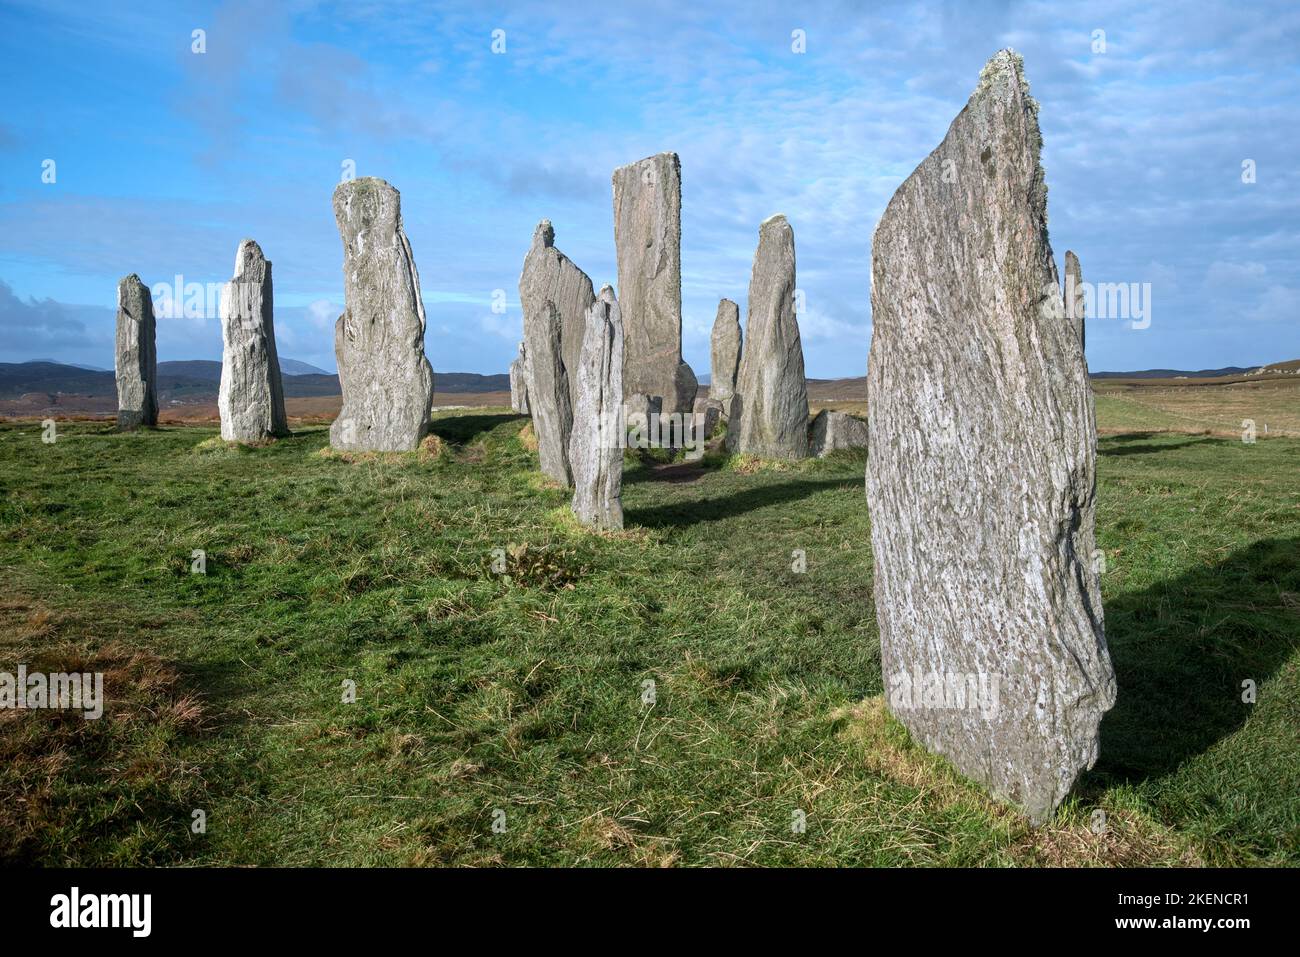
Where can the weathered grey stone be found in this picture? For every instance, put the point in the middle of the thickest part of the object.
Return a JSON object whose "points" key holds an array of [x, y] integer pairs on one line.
{"points": [[1074, 298], [648, 238], [596, 444], [832, 430], [555, 295], [708, 413], [251, 397], [519, 382], [724, 351], [769, 410], [549, 275], [982, 473], [386, 378], [136, 358], [548, 391]]}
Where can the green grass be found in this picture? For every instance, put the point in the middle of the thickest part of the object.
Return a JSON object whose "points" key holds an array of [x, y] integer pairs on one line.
{"points": [[524, 693]]}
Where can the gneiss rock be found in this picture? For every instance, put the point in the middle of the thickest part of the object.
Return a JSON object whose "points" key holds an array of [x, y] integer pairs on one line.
{"points": [[724, 349], [596, 445], [648, 237], [1074, 295], [555, 295], [136, 358], [548, 391], [251, 399], [519, 382], [831, 430], [549, 275], [769, 411], [386, 379], [982, 473]]}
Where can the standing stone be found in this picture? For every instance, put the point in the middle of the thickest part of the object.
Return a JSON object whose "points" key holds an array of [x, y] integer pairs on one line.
{"points": [[769, 412], [648, 240], [548, 392], [1074, 295], [251, 399], [552, 290], [386, 378], [595, 447], [831, 431], [982, 473], [725, 352], [136, 360], [519, 382], [549, 275]]}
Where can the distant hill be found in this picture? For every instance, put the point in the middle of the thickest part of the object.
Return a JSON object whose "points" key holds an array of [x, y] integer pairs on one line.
{"points": [[1176, 373], [198, 380], [296, 367]]}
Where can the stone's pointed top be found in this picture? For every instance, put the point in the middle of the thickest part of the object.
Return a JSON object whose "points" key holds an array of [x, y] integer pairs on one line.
{"points": [[1070, 258], [362, 184], [730, 304], [668, 156], [1004, 66], [132, 278], [249, 260], [773, 219], [544, 235], [607, 293]]}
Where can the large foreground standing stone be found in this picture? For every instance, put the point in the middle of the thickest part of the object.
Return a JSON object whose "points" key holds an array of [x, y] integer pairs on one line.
{"points": [[1074, 298], [251, 399], [724, 353], [386, 378], [519, 382], [648, 241], [769, 411], [548, 392], [981, 479], [596, 446], [136, 358]]}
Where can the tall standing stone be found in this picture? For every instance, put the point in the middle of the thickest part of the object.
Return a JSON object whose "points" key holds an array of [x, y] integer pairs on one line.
{"points": [[519, 382], [769, 411], [555, 295], [548, 392], [386, 378], [595, 447], [724, 352], [648, 242], [549, 275], [1074, 295], [982, 479], [251, 398], [136, 357]]}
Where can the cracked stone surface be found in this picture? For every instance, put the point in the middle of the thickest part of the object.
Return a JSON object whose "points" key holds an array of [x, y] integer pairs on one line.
{"points": [[982, 476], [595, 446], [648, 240], [251, 397], [769, 410], [135, 357], [386, 379]]}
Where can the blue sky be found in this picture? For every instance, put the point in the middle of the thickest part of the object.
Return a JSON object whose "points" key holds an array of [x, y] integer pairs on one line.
{"points": [[166, 158]]}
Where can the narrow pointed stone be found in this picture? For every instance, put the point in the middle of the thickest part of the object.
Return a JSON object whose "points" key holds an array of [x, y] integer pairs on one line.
{"points": [[251, 397], [386, 378], [136, 357], [552, 283], [548, 393], [1074, 299], [769, 410], [982, 477], [724, 351], [648, 240], [595, 447], [519, 382]]}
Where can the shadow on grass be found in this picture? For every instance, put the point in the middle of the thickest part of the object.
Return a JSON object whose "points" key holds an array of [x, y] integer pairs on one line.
{"points": [[681, 514], [1182, 649], [459, 429], [1108, 447]]}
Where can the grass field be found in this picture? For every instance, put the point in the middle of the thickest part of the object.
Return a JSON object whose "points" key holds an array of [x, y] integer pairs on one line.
{"points": [[523, 700]]}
